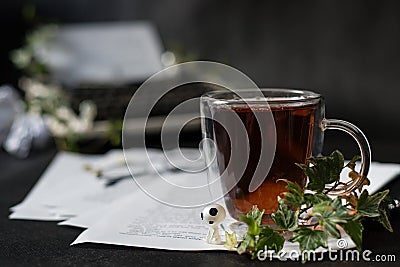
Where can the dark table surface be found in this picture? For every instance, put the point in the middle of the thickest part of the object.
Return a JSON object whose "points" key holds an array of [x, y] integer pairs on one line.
{"points": [[45, 243]]}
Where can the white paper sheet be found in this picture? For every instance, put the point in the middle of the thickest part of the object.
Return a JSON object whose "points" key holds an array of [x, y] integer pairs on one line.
{"points": [[138, 220], [63, 176], [381, 174], [66, 189]]}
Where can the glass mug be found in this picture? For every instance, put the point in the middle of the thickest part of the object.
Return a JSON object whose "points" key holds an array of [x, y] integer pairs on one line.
{"points": [[253, 138]]}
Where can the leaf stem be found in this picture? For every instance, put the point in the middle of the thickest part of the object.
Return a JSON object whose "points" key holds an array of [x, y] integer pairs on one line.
{"points": [[333, 187]]}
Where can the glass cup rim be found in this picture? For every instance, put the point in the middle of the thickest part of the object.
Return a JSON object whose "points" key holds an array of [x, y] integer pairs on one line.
{"points": [[280, 95]]}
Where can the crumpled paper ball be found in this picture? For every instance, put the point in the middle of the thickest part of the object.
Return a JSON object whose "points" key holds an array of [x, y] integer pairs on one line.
{"points": [[19, 131]]}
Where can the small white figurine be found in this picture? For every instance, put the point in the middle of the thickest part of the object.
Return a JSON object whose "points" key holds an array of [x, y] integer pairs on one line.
{"points": [[213, 215]]}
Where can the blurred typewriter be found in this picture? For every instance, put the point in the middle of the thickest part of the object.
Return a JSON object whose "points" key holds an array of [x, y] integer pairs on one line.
{"points": [[107, 62]]}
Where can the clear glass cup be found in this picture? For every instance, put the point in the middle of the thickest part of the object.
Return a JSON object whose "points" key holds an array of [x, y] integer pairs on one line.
{"points": [[253, 138]]}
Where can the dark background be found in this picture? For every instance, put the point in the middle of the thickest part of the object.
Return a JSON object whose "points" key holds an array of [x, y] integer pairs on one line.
{"points": [[347, 50]]}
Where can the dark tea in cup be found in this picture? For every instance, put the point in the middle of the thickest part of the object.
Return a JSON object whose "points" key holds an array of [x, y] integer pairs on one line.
{"points": [[294, 132], [257, 137]]}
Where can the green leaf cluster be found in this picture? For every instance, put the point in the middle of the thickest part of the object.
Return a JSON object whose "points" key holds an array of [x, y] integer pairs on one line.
{"points": [[258, 236], [313, 216], [329, 215]]}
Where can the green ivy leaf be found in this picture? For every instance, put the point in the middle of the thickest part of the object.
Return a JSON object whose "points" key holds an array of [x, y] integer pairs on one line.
{"points": [[341, 213], [384, 220], [324, 170], [383, 213], [309, 239], [285, 217], [354, 229], [330, 213], [253, 220], [258, 236], [330, 228], [368, 205], [231, 240], [255, 214], [252, 224], [323, 208], [295, 194], [270, 239], [313, 199]]}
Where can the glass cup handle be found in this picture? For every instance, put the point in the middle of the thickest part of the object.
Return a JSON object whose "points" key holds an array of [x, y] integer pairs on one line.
{"points": [[359, 137]]}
